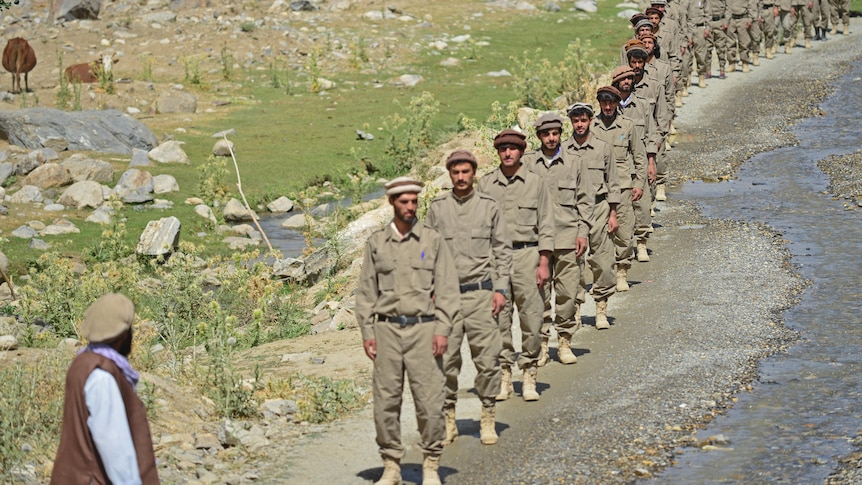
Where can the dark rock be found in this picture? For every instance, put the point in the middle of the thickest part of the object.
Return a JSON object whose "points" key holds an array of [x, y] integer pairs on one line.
{"points": [[76, 9]]}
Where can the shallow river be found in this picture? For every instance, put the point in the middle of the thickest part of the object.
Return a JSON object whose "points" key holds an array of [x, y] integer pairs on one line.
{"points": [[807, 404]]}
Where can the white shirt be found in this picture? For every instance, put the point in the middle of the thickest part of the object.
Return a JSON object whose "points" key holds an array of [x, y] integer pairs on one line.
{"points": [[109, 428]]}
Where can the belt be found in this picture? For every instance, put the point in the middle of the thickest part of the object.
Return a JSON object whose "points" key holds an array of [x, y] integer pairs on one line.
{"points": [[716, 18], [404, 320], [485, 285], [522, 245], [601, 198], [699, 25], [768, 5], [739, 16]]}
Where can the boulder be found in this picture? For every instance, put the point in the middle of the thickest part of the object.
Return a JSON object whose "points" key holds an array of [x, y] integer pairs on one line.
{"points": [[28, 194], [160, 238], [85, 193], [39, 244], [107, 131], [134, 181], [281, 204], [69, 10], [164, 183], [176, 102], [54, 207], [8, 342], [48, 175], [102, 215], [139, 158], [296, 221], [292, 269], [27, 164], [169, 152], [206, 212], [25, 232], [246, 230], [588, 6], [89, 169], [236, 242], [6, 169], [222, 148], [234, 210], [59, 227], [4, 263], [162, 17]]}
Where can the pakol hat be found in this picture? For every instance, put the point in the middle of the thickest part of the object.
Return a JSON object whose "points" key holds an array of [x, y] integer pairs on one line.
{"points": [[461, 156], [644, 22], [510, 137], [573, 109], [637, 18], [650, 35], [610, 90], [653, 10], [108, 317], [658, 2], [548, 121], [635, 45], [621, 73], [403, 185]]}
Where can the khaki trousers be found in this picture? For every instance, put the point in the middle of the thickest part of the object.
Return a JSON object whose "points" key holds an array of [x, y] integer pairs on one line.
{"points": [[822, 10], [643, 219], [717, 41], [738, 40], [839, 13], [567, 271], [700, 51], [483, 336], [623, 237], [685, 68], [602, 259], [525, 293], [763, 31], [407, 350]]}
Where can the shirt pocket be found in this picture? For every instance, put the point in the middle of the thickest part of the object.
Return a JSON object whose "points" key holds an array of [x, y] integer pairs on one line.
{"points": [[528, 212], [567, 191], [385, 269], [422, 277], [621, 149], [596, 172], [480, 241]]}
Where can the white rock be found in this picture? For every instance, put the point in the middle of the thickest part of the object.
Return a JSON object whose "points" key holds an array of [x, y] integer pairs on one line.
{"points": [[281, 204], [588, 6], [206, 212], [164, 183], [169, 152], [8, 342], [60, 227], [28, 194], [296, 221], [410, 80], [503, 73]]}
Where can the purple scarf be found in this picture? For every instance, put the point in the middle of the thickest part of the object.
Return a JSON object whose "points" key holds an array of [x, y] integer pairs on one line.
{"points": [[110, 353]]}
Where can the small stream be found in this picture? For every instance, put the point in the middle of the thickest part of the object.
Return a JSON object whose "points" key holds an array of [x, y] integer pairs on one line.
{"points": [[807, 404]]}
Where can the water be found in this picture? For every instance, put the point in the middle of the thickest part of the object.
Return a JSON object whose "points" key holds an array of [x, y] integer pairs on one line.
{"points": [[806, 405]]}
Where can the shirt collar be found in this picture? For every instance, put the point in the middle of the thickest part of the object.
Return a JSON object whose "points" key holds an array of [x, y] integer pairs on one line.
{"points": [[396, 235]]}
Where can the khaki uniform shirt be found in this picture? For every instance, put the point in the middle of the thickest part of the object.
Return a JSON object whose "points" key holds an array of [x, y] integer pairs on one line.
{"points": [[747, 8], [651, 90], [661, 71], [412, 276], [639, 111], [598, 156], [475, 230], [571, 192], [718, 11], [527, 207], [698, 16], [629, 150]]}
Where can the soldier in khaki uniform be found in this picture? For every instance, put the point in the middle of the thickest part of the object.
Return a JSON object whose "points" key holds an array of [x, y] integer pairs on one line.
{"points": [[601, 172], [698, 22], [839, 12], [822, 10], [573, 200], [742, 13], [717, 35], [630, 155], [528, 210], [406, 303], [475, 232], [763, 29]]}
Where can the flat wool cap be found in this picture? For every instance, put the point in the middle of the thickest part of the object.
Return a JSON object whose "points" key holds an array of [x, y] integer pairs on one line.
{"points": [[610, 90], [637, 18], [621, 73], [108, 317], [402, 185], [461, 156], [581, 107], [510, 137], [548, 121], [644, 23]]}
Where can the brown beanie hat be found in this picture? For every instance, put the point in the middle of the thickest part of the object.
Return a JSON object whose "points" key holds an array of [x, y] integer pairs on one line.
{"points": [[510, 137], [461, 156]]}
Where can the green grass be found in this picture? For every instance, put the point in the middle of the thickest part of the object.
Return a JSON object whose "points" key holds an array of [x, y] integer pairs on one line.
{"points": [[287, 142]]}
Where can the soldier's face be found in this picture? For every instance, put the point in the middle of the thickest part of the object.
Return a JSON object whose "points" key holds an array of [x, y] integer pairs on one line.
{"points": [[625, 85], [637, 65], [462, 175], [648, 42], [608, 108], [654, 18], [405, 206], [580, 124], [510, 155], [550, 138], [644, 30]]}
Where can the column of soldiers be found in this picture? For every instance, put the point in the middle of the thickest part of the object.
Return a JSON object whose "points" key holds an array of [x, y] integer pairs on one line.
{"points": [[528, 236]]}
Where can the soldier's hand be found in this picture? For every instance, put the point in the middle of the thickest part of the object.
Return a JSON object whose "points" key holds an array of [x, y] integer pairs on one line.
{"points": [[793, 11], [775, 11], [651, 172], [810, 6], [747, 25], [581, 246], [613, 223], [543, 274], [370, 347], [497, 304], [637, 193], [705, 33], [439, 345]]}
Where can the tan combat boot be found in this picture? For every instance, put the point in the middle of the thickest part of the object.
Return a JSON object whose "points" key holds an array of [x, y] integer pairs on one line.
{"points": [[846, 28], [451, 427], [678, 101], [564, 351], [391, 472], [430, 470], [506, 388], [807, 43], [660, 194], [701, 82], [731, 67], [787, 48], [602, 315], [528, 391], [755, 59], [745, 67], [834, 30], [622, 279], [685, 88], [643, 255], [487, 427], [770, 53], [543, 355]]}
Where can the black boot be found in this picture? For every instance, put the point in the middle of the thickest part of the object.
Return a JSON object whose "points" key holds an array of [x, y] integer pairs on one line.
{"points": [[816, 33], [823, 33]]}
